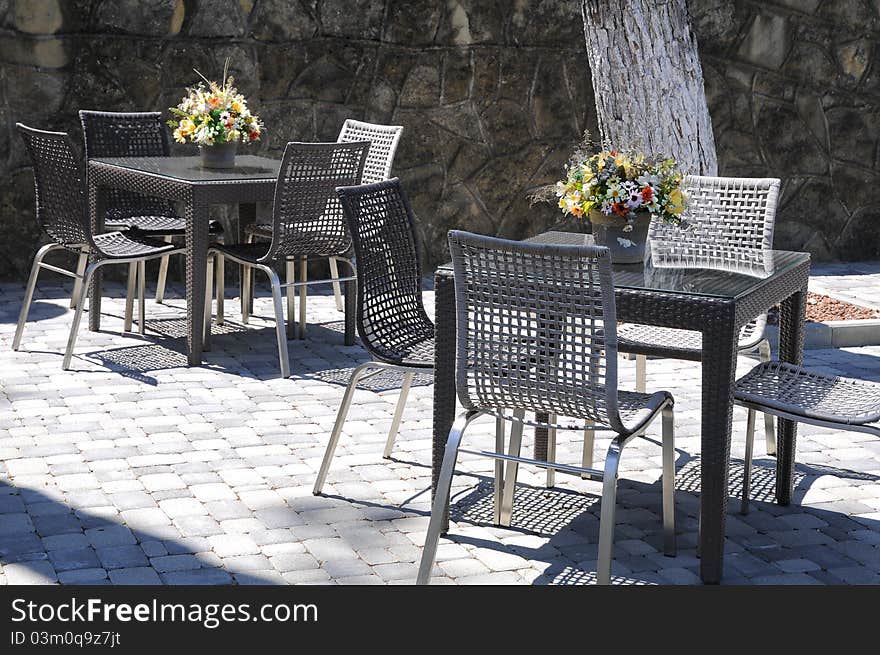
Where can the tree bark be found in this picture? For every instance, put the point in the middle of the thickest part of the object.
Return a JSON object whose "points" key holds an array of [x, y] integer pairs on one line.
{"points": [[648, 80]]}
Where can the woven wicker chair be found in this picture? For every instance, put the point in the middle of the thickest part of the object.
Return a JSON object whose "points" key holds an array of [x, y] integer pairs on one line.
{"points": [[135, 134], [724, 214], [799, 394], [383, 145], [391, 319], [536, 331], [306, 222], [62, 212]]}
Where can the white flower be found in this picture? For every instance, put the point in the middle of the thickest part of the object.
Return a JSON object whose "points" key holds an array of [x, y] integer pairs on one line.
{"points": [[606, 207], [615, 193]]}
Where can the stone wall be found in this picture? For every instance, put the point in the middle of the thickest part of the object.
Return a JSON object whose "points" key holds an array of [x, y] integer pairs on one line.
{"points": [[794, 92], [492, 93]]}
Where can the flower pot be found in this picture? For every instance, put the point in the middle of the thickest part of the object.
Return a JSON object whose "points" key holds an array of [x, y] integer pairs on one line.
{"points": [[626, 247], [219, 155]]}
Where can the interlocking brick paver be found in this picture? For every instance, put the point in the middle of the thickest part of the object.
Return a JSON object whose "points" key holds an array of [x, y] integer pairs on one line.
{"points": [[142, 471], [142, 575]]}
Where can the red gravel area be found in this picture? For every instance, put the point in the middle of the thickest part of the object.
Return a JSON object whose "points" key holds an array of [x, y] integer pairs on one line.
{"points": [[824, 308]]}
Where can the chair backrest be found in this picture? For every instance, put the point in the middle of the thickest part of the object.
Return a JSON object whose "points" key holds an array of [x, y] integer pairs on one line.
{"points": [[536, 328], [390, 315], [61, 204], [724, 212], [127, 134], [383, 144], [307, 216]]}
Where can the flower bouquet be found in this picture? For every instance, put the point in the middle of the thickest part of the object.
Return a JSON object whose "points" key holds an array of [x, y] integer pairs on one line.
{"points": [[217, 118], [620, 192]]}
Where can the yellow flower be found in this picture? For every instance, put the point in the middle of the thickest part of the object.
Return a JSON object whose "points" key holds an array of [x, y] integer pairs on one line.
{"points": [[179, 137], [237, 107], [676, 202], [186, 127]]}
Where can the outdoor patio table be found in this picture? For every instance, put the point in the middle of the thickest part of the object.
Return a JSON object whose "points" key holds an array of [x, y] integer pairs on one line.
{"points": [[713, 297], [183, 179]]}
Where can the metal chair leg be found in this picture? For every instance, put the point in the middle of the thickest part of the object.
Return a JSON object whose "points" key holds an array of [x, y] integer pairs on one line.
{"points": [[163, 275], [516, 431], [551, 451], [142, 289], [747, 463], [129, 297], [499, 470], [221, 286], [589, 445], [303, 277], [606, 519], [81, 264], [290, 271], [279, 321], [398, 414], [337, 291], [246, 293], [769, 423], [341, 415], [209, 294], [641, 373], [669, 482], [29, 292], [441, 496], [77, 314]]}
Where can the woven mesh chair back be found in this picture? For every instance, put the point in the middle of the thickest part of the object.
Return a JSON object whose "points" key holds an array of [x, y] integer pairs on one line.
{"points": [[391, 318], [307, 216], [536, 328], [724, 217], [383, 144], [58, 180], [119, 134]]}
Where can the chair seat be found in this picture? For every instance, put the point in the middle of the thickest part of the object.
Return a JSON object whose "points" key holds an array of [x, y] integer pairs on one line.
{"points": [[416, 351], [802, 392], [674, 342], [117, 245], [157, 225], [247, 252], [253, 253], [638, 409], [262, 230]]}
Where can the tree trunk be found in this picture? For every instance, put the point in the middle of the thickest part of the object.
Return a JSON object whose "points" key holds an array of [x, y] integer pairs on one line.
{"points": [[648, 80]]}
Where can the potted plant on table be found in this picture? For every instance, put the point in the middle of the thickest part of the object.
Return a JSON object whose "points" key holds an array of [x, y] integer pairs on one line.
{"points": [[217, 118], [620, 192]]}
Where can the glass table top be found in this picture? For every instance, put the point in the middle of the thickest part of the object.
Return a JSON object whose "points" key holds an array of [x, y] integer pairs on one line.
{"points": [[702, 271], [189, 169]]}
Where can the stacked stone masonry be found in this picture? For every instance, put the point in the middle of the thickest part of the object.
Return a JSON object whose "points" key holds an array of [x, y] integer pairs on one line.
{"points": [[492, 94]]}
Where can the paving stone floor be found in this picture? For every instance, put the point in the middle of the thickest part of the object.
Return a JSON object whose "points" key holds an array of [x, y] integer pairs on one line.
{"points": [[134, 469]]}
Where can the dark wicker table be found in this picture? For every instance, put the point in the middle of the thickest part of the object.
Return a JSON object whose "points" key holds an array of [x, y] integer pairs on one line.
{"points": [[183, 179], [710, 297]]}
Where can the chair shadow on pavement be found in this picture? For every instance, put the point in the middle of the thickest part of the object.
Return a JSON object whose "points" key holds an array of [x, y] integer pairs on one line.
{"points": [[567, 521], [41, 536]]}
